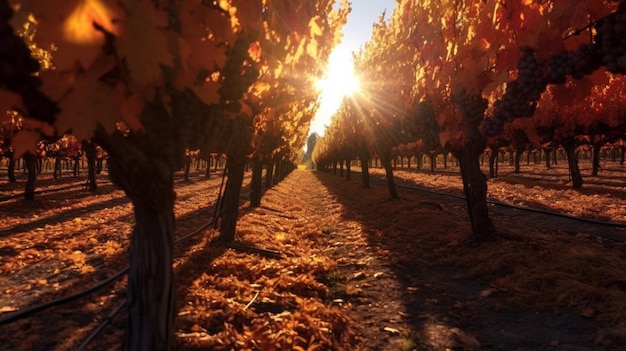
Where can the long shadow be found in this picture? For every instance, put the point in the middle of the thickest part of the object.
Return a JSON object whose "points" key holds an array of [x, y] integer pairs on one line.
{"points": [[590, 186], [194, 266], [47, 325], [74, 196], [81, 312], [64, 216], [438, 297], [599, 189]]}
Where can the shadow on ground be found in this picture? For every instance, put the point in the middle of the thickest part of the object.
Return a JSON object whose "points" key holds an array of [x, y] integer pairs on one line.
{"points": [[406, 299]]}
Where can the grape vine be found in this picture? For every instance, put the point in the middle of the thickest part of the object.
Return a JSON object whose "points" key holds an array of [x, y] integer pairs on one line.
{"points": [[607, 49]]}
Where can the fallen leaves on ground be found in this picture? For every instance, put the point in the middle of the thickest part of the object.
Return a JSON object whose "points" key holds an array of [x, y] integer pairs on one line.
{"points": [[358, 271]]}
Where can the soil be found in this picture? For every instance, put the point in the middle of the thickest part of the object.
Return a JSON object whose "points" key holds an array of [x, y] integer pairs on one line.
{"points": [[358, 271]]}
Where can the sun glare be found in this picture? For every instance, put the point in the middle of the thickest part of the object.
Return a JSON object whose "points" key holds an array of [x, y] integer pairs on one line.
{"points": [[340, 80]]}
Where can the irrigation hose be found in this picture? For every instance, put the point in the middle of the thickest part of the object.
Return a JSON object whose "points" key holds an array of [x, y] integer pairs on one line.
{"points": [[108, 319], [26, 312], [527, 209], [113, 313]]}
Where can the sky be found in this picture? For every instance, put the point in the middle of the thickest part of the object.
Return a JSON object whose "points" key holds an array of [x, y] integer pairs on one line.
{"points": [[356, 32]]}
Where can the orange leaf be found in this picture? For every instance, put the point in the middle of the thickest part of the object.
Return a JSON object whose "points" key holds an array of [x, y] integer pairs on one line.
{"points": [[24, 141], [90, 102], [130, 109], [68, 26], [145, 44]]}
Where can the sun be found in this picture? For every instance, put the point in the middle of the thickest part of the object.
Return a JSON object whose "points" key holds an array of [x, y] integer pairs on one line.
{"points": [[339, 81]]}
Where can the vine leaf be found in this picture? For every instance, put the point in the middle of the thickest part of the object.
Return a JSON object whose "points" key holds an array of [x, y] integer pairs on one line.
{"points": [[145, 46], [130, 108], [69, 26], [24, 141], [90, 102], [27, 137], [208, 92]]}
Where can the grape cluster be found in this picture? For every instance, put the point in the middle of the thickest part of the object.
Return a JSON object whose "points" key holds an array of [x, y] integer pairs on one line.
{"points": [[521, 94], [18, 68], [472, 106], [611, 36], [520, 99], [577, 64]]}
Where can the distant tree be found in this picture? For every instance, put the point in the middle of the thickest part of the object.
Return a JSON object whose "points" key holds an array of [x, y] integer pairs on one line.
{"points": [[310, 145]]}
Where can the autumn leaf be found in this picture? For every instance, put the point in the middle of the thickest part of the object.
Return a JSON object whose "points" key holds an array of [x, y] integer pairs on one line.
{"points": [[24, 141], [248, 15], [57, 83], [69, 26], [88, 104], [467, 339], [208, 92], [79, 28], [130, 110], [315, 28], [5, 309], [144, 44]]}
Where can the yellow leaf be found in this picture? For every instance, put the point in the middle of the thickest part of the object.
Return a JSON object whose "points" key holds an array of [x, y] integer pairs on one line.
{"points": [[79, 25], [311, 49], [315, 28], [5, 309], [392, 330]]}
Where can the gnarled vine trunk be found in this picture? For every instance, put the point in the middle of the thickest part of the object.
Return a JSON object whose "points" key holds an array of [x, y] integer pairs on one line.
{"points": [[256, 183], [30, 162], [595, 159], [493, 164], [474, 181], [11, 167], [574, 170], [143, 164], [149, 185], [433, 161], [365, 172], [151, 280], [516, 162], [91, 152], [236, 164], [475, 188], [391, 184]]}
